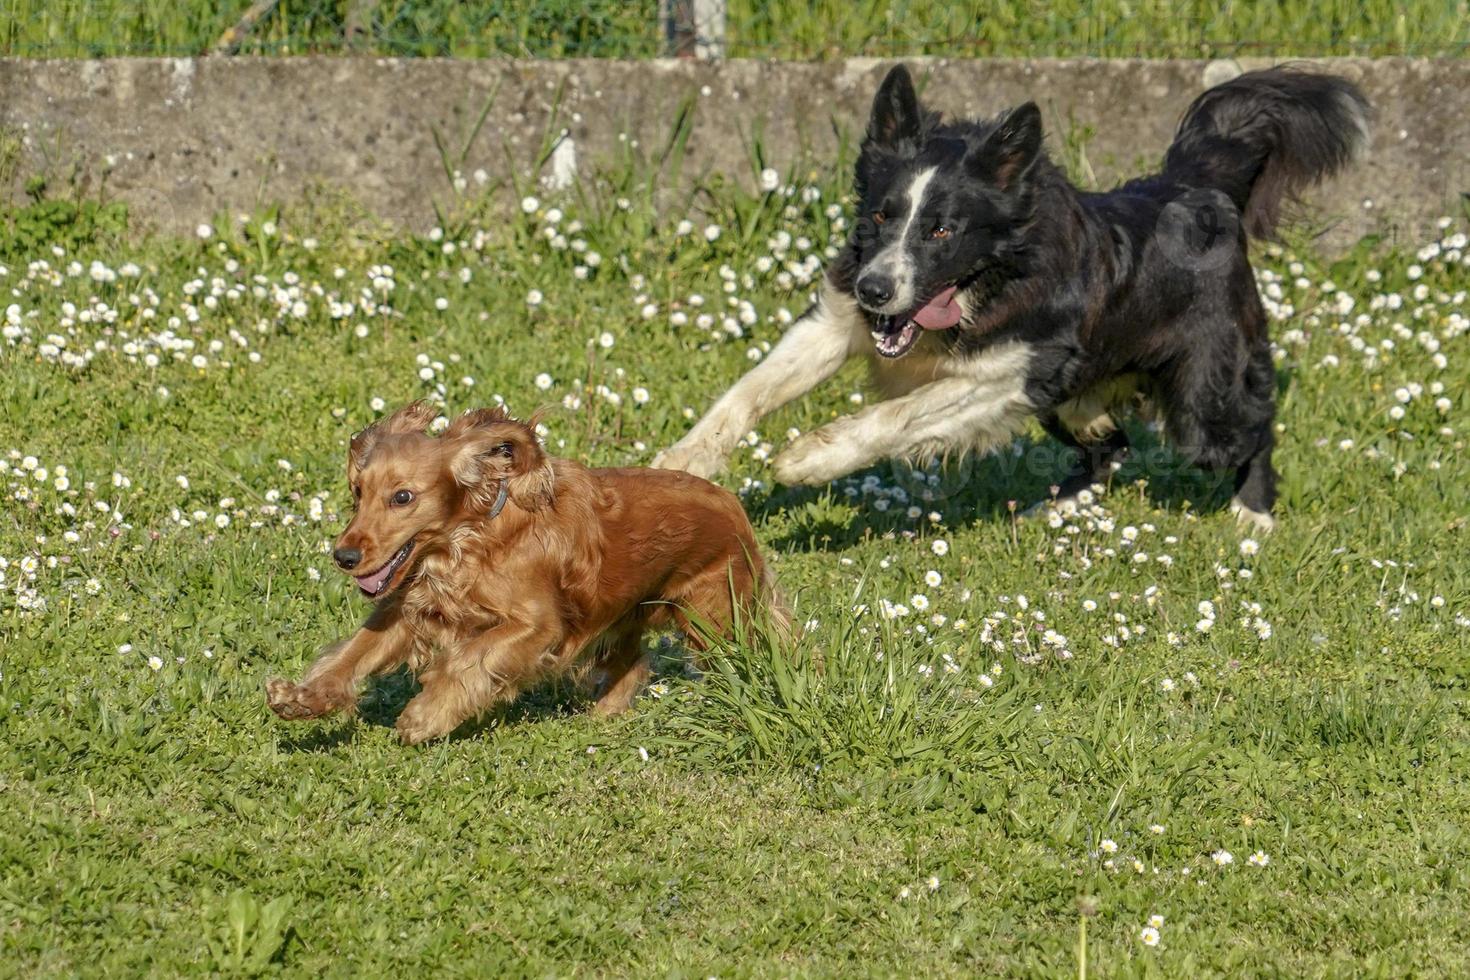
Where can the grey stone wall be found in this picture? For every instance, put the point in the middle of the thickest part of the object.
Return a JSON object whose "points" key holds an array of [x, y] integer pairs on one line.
{"points": [[183, 139]]}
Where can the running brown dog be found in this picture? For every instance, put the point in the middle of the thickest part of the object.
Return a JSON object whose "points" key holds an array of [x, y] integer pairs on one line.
{"points": [[493, 565]]}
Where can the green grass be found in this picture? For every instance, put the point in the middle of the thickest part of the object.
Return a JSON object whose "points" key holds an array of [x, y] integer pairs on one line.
{"points": [[756, 28], [790, 816]]}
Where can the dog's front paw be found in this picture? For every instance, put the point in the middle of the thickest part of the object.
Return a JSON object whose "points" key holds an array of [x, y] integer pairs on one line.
{"points": [[816, 458], [296, 701], [418, 723], [695, 458]]}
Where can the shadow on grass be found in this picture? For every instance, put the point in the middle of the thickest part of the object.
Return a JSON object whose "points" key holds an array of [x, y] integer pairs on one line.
{"points": [[557, 698], [321, 740], [994, 488]]}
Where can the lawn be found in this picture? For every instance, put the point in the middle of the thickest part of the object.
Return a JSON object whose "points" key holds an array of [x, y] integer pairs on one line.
{"points": [[816, 29], [997, 737]]}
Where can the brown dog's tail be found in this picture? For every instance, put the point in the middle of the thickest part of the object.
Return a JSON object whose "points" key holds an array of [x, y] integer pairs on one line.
{"points": [[777, 609], [772, 607]]}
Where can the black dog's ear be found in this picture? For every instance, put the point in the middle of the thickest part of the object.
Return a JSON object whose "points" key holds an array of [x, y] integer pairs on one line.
{"points": [[1011, 148], [896, 114]]}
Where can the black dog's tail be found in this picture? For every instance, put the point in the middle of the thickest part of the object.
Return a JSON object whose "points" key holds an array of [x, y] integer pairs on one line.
{"points": [[1264, 136]]}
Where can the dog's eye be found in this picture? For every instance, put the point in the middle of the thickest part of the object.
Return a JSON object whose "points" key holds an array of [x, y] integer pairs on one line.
{"points": [[879, 217], [940, 231], [402, 498]]}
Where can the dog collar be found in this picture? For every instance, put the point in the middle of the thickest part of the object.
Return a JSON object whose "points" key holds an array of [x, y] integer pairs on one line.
{"points": [[499, 504]]}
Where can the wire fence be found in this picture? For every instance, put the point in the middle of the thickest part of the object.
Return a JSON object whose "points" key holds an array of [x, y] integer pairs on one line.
{"points": [[789, 29]]}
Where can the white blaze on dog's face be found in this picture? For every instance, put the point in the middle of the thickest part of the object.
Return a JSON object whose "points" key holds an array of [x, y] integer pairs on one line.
{"points": [[887, 284]]}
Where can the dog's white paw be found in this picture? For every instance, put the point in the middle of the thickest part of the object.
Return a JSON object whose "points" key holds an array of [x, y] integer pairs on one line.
{"points": [[816, 458], [1251, 519], [695, 458], [1066, 505]]}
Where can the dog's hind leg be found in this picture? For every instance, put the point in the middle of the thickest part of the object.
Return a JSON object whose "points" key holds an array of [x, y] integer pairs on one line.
{"points": [[705, 612], [1255, 488], [815, 347], [1095, 455], [1255, 478], [1230, 425], [624, 672], [727, 598]]}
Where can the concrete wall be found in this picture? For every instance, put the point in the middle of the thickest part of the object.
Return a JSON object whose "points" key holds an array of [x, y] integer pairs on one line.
{"points": [[182, 139]]}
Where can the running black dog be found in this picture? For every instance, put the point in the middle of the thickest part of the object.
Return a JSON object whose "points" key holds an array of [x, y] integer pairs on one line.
{"points": [[986, 289]]}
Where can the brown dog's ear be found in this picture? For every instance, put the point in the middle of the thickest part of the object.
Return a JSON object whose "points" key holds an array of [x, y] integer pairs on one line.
{"points": [[413, 417], [489, 447]]}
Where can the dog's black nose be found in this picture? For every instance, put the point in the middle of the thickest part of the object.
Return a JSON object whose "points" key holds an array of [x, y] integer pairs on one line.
{"points": [[874, 290], [347, 558]]}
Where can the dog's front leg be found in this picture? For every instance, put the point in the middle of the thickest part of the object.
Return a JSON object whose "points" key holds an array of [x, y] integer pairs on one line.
{"points": [[489, 668], [330, 684], [974, 412], [812, 351]]}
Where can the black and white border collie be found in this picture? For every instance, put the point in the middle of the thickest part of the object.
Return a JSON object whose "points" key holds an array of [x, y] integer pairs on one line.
{"points": [[986, 289]]}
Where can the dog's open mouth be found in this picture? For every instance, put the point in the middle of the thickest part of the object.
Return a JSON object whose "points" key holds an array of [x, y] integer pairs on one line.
{"points": [[894, 335], [374, 584]]}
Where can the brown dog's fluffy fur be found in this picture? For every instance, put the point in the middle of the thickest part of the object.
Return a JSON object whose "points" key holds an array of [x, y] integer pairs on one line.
{"points": [[577, 560]]}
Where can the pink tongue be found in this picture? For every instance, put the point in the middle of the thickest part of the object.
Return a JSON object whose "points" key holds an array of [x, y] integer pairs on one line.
{"points": [[372, 583], [940, 312]]}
